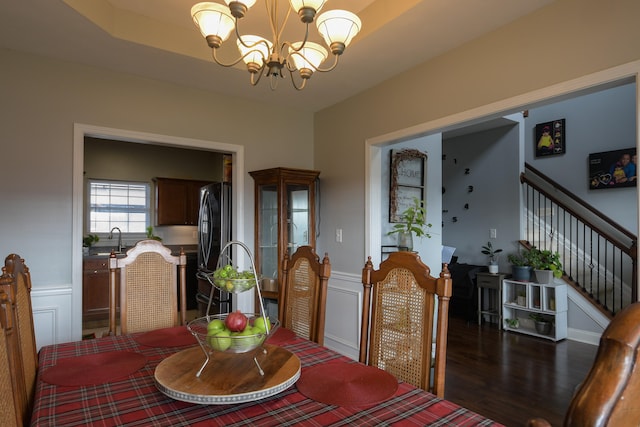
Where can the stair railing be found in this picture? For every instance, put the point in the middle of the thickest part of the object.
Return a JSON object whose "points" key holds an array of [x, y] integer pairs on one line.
{"points": [[598, 255]]}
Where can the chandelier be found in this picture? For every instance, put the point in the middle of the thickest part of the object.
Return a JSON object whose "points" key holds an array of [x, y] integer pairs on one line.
{"points": [[271, 57]]}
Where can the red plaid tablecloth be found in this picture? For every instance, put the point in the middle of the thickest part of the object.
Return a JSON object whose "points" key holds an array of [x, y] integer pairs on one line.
{"points": [[135, 401]]}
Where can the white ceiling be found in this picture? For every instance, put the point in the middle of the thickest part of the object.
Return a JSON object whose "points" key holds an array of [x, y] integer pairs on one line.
{"points": [[157, 39]]}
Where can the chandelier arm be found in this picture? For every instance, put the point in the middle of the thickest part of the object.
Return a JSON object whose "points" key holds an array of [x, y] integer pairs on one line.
{"points": [[284, 24], [335, 64], [254, 81], [231, 64], [293, 81]]}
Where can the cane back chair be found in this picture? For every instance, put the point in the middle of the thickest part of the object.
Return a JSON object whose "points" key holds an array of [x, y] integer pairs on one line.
{"points": [[398, 315], [15, 408], [150, 278], [19, 292], [303, 293]]}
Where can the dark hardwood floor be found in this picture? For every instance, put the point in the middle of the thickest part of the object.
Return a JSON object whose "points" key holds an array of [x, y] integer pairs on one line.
{"points": [[511, 377]]}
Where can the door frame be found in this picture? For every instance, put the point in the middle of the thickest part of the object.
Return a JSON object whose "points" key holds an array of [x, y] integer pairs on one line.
{"points": [[611, 77], [80, 131]]}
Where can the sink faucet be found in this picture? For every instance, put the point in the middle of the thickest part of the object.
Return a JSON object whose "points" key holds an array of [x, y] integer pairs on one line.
{"points": [[119, 237]]}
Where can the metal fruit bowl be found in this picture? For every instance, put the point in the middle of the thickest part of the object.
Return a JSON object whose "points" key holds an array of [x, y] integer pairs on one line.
{"points": [[234, 286], [239, 342]]}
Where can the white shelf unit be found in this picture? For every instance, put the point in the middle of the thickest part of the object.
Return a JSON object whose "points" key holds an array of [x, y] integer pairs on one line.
{"points": [[549, 300]]}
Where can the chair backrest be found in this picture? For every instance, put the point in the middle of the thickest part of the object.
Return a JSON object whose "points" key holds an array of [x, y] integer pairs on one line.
{"points": [[14, 404], [398, 316], [609, 394], [20, 295], [150, 278], [303, 293]]}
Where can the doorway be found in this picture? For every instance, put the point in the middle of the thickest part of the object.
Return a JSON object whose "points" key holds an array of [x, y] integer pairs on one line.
{"points": [[375, 147], [245, 302]]}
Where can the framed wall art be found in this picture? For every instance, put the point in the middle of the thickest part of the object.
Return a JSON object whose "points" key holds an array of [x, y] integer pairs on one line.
{"points": [[612, 169], [550, 138], [407, 180]]}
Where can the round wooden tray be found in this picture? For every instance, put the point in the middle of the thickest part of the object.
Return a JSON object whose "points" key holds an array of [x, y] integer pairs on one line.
{"points": [[228, 378]]}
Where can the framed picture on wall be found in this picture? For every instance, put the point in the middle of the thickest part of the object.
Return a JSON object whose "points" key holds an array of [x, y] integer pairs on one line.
{"points": [[550, 138], [408, 167], [612, 169]]}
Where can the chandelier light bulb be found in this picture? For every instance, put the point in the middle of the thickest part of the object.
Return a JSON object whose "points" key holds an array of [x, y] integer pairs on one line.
{"points": [[338, 28], [255, 51], [238, 8], [214, 21], [307, 9], [308, 58]]}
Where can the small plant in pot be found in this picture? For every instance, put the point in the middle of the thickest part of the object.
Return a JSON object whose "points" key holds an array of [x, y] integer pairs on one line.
{"points": [[545, 263], [413, 221], [493, 257], [512, 323], [520, 267], [88, 241], [543, 325]]}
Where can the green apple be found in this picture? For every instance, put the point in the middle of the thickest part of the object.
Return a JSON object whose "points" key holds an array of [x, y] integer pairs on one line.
{"points": [[216, 325], [245, 340], [220, 341], [262, 326]]}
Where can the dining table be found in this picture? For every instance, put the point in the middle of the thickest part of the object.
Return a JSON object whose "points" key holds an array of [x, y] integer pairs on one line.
{"points": [[123, 381]]}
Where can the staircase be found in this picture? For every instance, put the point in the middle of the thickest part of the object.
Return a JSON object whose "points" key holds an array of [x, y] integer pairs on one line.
{"points": [[599, 256]]}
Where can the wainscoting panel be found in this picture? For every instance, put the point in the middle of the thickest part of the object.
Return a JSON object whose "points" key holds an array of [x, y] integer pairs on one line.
{"points": [[344, 313], [52, 318]]}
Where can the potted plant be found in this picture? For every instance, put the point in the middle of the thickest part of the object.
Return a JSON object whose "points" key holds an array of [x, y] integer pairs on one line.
{"points": [[520, 267], [88, 241], [493, 257], [152, 236], [512, 323], [542, 324], [546, 264], [414, 221]]}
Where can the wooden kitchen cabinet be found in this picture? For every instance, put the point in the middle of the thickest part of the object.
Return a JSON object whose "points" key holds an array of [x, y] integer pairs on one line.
{"points": [[95, 289], [285, 219], [177, 201]]}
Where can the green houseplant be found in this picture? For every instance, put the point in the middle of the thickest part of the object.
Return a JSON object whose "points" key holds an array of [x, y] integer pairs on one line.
{"points": [[542, 324], [89, 240], [545, 260], [413, 221], [520, 266], [493, 256]]}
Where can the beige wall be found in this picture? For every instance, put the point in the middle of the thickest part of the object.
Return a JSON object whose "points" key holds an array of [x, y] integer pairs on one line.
{"points": [[561, 42], [42, 99]]}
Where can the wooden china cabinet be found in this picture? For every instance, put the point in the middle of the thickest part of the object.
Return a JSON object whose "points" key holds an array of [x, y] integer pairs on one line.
{"points": [[285, 219]]}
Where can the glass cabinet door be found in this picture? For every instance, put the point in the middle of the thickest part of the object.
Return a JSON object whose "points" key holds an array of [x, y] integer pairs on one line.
{"points": [[268, 231], [297, 217], [284, 221]]}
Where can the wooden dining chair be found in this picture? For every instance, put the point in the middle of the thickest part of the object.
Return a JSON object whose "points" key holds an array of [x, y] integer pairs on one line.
{"points": [[19, 291], [303, 293], [15, 408], [609, 394], [398, 319], [149, 281]]}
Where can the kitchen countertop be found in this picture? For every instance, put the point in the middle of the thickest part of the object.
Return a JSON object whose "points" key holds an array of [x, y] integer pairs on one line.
{"points": [[104, 252]]}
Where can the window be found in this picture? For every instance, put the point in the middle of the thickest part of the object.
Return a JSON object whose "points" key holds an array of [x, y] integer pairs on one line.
{"points": [[118, 204]]}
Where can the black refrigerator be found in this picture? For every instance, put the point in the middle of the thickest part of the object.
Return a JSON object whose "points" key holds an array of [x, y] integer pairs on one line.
{"points": [[214, 231]]}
